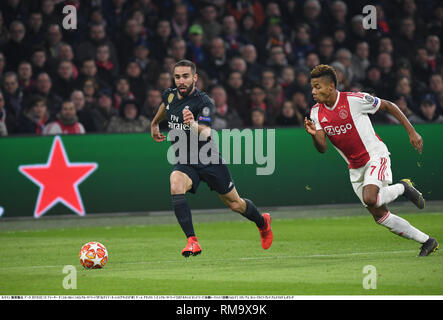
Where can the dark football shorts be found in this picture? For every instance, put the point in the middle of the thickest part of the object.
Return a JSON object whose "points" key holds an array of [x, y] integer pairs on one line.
{"points": [[216, 176]]}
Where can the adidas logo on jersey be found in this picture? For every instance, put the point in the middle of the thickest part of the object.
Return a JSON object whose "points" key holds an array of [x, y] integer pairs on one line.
{"points": [[324, 120]]}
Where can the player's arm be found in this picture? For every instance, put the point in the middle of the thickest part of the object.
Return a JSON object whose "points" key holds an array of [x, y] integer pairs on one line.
{"points": [[155, 128], [415, 139], [201, 129], [318, 136]]}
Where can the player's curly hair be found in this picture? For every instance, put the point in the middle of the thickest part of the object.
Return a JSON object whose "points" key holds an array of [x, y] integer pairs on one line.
{"points": [[324, 70]]}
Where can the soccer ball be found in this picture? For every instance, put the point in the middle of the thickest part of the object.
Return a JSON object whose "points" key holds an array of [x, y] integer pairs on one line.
{"points": [[93, 255]]}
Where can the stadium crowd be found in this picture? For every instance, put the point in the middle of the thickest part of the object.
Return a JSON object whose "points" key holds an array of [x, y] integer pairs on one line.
{"points": [[253, 59]]}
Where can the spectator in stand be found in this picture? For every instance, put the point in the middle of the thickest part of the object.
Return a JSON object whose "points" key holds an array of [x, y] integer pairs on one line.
{"points": [[403, 88], [136, 81], [302, 43], [164, 81], [106, 70], [258, 100], [231, 35], [277, 60], [301, 106], [312, 60], [428, 112], [218, 64], [421, 68], [129, 119], [402, 104], [12, 94], [88, 70], [16, 49], [90, 89], [344, 56], [152, 102], [326, 50], [287, 116], [247, 28], [161, 39], [258, 118], [338, 16], [66, 121], [274, 92], [435, 57], [406, 40], [436, 89], [123, 91], [236, 93], [286, 79], [360, 61], [224, 117], [96, 36], [7, 120], [127, 41], [39, 61], [312, 17], [208, 21], [83, 110], [54, 40], [64, 82], [2, 64], [177, 49], [249, 54], [34, 118], [24, 75], [195, 51], [104, 111], [180, 21], [43, 88], [35, 34], [238, 8], [149, 66]]}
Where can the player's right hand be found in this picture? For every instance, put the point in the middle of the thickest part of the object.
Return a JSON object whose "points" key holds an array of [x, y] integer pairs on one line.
{"points": [[310, 127], [156, 134]]}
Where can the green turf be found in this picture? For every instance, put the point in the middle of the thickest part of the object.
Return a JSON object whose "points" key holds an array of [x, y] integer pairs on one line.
{"points": [[309, 256]]}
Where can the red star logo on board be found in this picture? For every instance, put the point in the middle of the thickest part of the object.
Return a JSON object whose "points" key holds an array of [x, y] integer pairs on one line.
{"points": [[58, 180]]}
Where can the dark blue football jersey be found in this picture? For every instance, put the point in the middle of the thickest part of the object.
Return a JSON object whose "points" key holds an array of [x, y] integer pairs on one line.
{"points": [[202, 108]]}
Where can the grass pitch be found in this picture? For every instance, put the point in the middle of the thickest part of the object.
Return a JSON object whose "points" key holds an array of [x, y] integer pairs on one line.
{"points": [[316, 251]]}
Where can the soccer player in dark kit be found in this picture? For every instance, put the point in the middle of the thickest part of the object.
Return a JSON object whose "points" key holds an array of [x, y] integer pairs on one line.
{"points": [[190, 111]]}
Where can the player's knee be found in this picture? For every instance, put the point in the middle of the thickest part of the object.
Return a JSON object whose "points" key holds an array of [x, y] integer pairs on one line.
{"points": [[235, 206], [370, 200], [177, 185]]}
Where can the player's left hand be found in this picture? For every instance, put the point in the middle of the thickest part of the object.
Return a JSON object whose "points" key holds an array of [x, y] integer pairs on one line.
{"points": [[416, 141], [188, 117]]}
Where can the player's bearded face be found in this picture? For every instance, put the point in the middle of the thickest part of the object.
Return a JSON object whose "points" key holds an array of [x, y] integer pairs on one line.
{"points": [[184, 81]]}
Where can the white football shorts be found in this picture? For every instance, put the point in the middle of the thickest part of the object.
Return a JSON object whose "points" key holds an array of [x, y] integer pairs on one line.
{"points": [[377, 171]]}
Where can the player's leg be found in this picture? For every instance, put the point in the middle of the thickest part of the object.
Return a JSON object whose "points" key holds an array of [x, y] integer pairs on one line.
{"points": [[248, 209], [180, 184], [370, 188], [403, 228], [379, 174]]}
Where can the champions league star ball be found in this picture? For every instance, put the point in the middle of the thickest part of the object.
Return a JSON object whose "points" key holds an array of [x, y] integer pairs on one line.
{"points": [[93, 255]]}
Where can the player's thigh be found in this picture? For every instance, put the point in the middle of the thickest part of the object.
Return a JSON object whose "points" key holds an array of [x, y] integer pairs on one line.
{"points": [[180, 182]]}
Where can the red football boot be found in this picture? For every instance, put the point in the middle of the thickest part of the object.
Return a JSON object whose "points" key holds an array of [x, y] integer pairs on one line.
{"points": [[266, 232], [192, 248]]}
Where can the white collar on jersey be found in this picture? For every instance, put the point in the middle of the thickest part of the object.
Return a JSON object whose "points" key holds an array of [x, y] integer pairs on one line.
{"points": [[336, 102]]}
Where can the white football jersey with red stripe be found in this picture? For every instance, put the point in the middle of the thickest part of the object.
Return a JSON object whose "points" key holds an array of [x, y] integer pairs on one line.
{"points": [[349, 128]]}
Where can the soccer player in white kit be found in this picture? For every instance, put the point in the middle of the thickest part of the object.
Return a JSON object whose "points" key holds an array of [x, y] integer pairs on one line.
{"points": [[343, 118]]}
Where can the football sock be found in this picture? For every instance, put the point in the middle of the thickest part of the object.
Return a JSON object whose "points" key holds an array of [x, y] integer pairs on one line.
{"points": [[183, 214], [401, 227], [252, 213], [388, 194]]}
